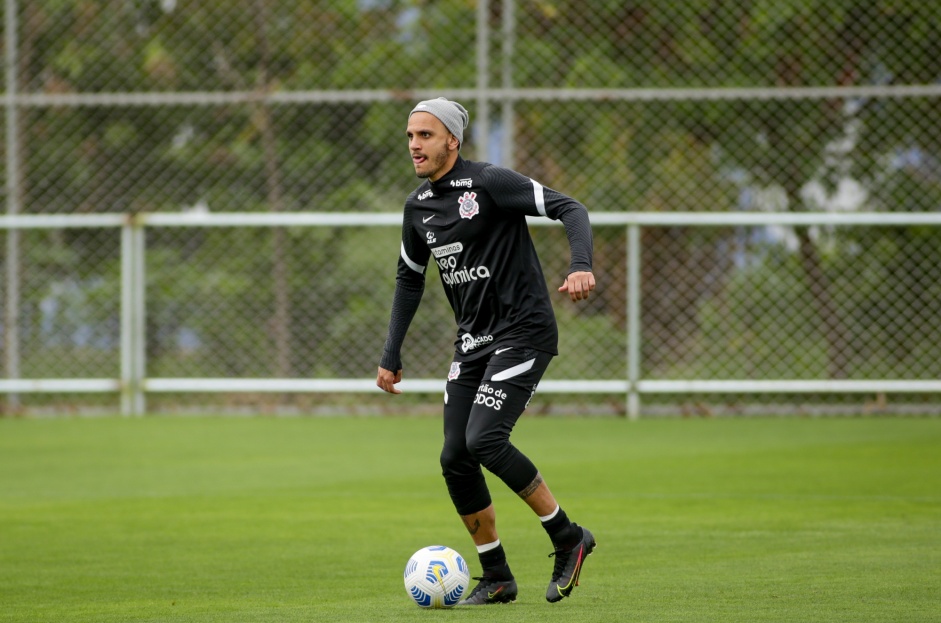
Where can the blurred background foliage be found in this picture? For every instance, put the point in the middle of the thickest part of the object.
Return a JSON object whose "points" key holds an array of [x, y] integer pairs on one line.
{"points": [[717, 302]]}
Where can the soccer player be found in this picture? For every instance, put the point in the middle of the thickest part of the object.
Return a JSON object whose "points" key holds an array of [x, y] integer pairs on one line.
{"points": [[469, 218]]}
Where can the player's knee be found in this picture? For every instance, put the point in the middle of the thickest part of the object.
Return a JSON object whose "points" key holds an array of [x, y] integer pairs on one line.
{"points": [[452, 458], [487, 447]]}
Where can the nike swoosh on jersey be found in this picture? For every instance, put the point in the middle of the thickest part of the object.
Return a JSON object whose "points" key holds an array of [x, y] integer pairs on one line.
{"points": [[427, 218], [502, 350]]}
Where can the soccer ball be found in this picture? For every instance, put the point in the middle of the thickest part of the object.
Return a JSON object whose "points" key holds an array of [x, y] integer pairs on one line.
{"points": [[436, 577]]}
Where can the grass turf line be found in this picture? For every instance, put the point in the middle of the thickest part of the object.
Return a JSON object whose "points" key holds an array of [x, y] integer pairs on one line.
{"points": [[218, 519]]}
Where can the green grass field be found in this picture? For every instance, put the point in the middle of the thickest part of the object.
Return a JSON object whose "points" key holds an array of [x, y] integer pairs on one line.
{"points": [[260, 519]]}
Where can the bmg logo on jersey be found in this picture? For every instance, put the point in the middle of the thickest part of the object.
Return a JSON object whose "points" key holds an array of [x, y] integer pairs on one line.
{"points": [[490, 397]]}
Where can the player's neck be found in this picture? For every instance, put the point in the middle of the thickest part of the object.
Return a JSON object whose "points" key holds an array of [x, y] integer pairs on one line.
{"points": [[447, 168]]}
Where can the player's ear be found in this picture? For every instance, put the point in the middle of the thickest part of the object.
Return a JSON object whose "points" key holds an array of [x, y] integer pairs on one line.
{"points": [[453, 143]]}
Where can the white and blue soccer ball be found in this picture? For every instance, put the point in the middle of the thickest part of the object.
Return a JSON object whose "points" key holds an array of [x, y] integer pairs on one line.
{"points": [[436, 577]]}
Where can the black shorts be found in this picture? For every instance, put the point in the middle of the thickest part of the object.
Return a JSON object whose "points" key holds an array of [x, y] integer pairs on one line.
{"points": [[506, 371]]}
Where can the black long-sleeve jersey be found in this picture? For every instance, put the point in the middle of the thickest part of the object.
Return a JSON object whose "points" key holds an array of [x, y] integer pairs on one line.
{"points": [[472, 224]]}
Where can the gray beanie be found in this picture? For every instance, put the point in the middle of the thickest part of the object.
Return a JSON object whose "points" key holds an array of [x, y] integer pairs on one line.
{"points": [[451, 114]]}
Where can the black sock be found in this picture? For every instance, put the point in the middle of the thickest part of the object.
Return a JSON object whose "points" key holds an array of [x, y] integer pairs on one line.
{"points": [[563, 532], [494, 564]]}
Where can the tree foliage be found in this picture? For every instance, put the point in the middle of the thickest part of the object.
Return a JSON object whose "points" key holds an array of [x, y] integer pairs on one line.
{"points": [[350, 155]]}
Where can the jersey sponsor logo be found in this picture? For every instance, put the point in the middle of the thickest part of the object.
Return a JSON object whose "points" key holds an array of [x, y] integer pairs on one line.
{"points": [[455, 370], [425, 195], [469, 342], [464, 183], [469, 208], [448, 249], [490, 397], [458, 276], [445, 257]]}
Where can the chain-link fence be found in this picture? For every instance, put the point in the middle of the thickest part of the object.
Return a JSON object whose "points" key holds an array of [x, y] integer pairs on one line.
{"points": [[167, 106]]}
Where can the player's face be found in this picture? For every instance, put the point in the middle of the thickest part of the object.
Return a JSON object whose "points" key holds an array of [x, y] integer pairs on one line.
{"points": [[432, 147]]}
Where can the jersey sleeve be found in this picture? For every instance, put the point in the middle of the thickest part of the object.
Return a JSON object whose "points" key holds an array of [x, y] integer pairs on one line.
{"points": [[516, 192], [409, 287]]}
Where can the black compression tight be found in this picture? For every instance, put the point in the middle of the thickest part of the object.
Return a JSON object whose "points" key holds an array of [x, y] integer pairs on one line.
{"points": [[479, 415]]}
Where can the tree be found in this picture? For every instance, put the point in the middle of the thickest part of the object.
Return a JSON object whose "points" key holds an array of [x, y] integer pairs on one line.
{"points": [[350, 155], [780, 143]]}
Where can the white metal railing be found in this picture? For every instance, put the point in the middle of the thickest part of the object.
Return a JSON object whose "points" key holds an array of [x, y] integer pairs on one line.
{"points": [[220, 98], [133, 383]]}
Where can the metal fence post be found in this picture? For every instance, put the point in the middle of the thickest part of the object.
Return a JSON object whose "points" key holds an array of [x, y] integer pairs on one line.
{"points": [[133, 337], [482, 123], [633, 320], [11, 313], [508, 117]]}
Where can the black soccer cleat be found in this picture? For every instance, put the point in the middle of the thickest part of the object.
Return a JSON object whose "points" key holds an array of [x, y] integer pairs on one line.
{"points": [[490, 591], [568, 566]]}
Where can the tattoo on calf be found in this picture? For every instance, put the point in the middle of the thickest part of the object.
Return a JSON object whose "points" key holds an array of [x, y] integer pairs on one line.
{"points": [[531, 487], [472, 527]]}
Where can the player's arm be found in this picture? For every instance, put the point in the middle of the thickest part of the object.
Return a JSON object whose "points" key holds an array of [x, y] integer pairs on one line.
{"points": [[514, 191], [409, 287], [580, 281]]}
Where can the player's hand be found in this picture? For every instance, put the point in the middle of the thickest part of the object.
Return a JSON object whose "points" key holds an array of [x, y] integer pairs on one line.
{"points": [[387, 379], [578, 284]]}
